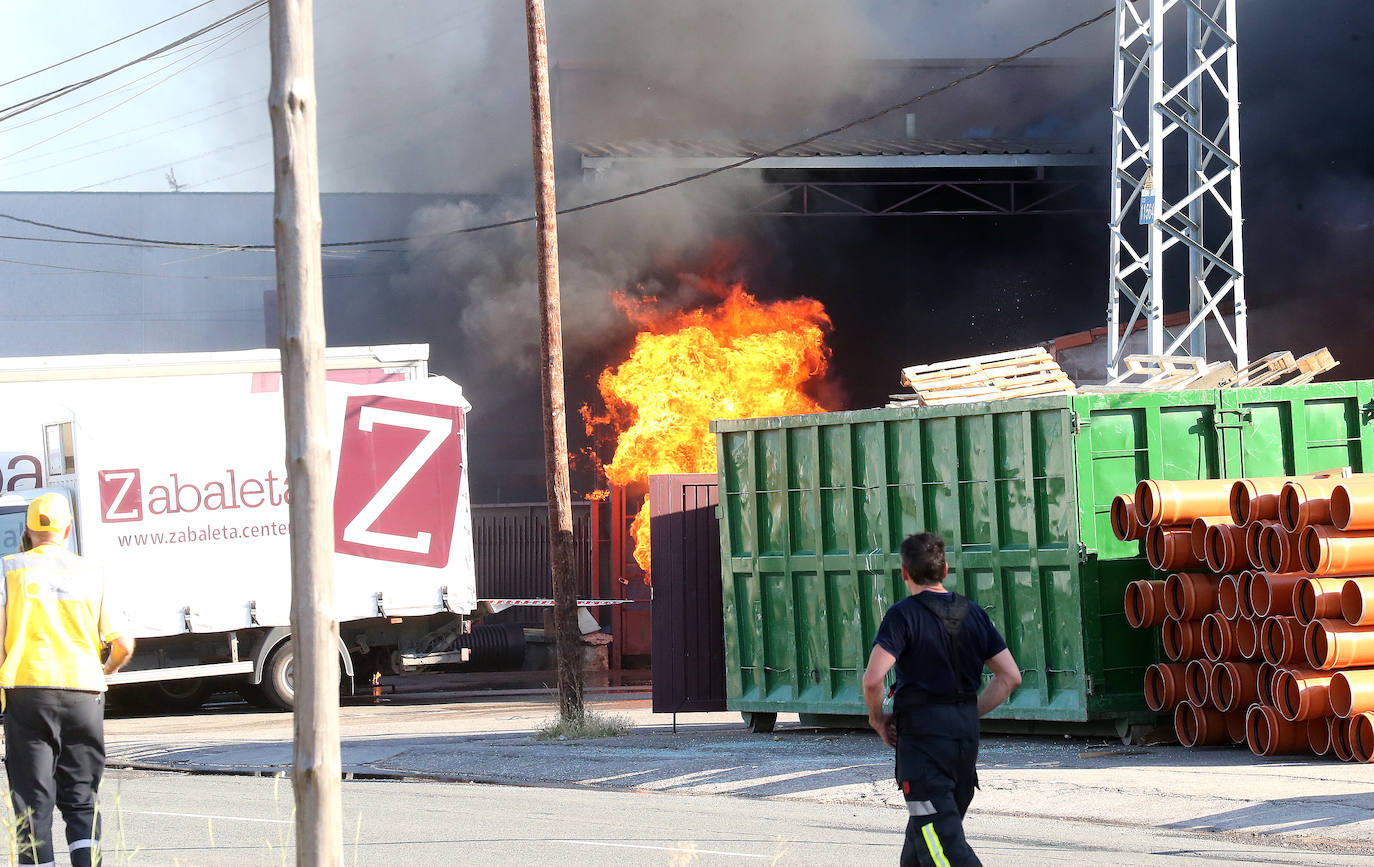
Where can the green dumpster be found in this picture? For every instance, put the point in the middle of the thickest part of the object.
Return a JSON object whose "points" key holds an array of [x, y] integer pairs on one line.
{"points": [[813, 509]]}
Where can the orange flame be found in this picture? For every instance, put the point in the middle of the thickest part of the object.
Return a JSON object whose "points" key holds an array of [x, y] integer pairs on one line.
{"points": [[738, 359]]}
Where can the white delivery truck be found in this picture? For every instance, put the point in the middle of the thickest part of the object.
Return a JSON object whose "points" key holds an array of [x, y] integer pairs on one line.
{"points": [[175, 465]]}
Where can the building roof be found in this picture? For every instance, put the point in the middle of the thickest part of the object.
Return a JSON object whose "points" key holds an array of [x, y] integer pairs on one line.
{"points": [[867, 153]]}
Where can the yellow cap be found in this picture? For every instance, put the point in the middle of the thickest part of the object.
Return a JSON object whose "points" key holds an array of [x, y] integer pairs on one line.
{"points": [[49, 513]]}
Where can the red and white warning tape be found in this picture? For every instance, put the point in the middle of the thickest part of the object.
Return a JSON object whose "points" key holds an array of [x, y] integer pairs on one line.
{"points": [[581, 603]]}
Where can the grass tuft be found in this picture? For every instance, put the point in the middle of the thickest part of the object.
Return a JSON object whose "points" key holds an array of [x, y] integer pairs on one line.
{"points": [[590, 725]]}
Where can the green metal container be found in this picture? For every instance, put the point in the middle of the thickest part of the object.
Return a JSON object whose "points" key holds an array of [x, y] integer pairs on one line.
{"points": [[814, 508]]}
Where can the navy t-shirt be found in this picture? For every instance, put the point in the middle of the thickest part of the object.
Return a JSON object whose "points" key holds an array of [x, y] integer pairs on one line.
{"points": [[913, 634]]}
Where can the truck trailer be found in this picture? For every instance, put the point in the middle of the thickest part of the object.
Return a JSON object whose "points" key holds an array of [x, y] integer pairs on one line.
{"points": [[175, 466]]}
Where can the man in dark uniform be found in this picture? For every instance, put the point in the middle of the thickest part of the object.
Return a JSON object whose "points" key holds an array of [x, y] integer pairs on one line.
{"points": [[939, 641]]}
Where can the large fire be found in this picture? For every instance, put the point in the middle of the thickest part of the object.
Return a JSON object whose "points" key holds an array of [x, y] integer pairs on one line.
{"points": [[737, 359]]}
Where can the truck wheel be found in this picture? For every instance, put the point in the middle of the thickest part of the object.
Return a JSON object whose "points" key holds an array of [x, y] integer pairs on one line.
{"points": [[178, 696], [760, 723], [254, 695], [279, 677]]}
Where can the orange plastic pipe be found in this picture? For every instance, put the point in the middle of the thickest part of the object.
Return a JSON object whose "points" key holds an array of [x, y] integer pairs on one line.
{"points": [[1357, 601], [1145, 604], [1253, 537], [1352, 505], [1339, 727], [1233, 686], [1256, 499], [1319, 735], [1306, 501], [1200, 526], [1200, 726], [1219, 638], [1225, 548], [1264, 682], [1247, 638], [1269, 734], [1197, 681], [1317, 599], [1352, 691], [1125, 519], [1360, 737], [1170, 503], [1228, 596], [1243, 582], [1170, 550], [1281, 640], [1164, 686], [1191, 595], [1334, 644], [1182, 639], [1272, 595], [1235, 726], [1302, 694], [1279, 548], [1328, 551]]}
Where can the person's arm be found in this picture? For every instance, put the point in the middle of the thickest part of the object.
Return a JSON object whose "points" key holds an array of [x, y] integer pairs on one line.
{"points": [[121, 648], [1006, 677], [879, 663]]}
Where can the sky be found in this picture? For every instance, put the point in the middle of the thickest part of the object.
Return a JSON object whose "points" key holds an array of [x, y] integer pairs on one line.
{"points": [[421, 95]]}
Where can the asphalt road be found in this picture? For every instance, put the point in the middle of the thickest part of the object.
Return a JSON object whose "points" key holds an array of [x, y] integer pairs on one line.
{"points": [[158, 818]]}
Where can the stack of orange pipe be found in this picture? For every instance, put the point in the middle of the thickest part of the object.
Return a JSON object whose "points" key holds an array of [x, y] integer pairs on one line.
{"points": [[1266, 615]]}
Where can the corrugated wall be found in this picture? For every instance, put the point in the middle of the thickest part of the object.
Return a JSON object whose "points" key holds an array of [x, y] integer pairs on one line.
{"points": [[511, 542]]}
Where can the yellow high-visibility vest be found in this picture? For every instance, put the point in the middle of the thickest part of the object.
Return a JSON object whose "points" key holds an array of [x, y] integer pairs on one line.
{"points": [[57, 618]]}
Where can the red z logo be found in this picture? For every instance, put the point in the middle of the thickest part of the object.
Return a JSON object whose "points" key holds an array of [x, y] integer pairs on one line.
{"points": [[400, 463], [121, 496]]}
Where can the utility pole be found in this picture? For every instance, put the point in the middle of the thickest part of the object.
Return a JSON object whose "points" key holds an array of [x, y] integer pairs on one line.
{"points": [[296, 226], [551, 357]]}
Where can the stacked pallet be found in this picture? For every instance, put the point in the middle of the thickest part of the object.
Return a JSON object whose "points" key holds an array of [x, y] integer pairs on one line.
{"points": [[1268, 616], [1020, 373], [1178, 372]]}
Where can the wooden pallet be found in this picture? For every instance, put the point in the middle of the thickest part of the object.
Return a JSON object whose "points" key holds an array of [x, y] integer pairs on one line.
{"points": [[1281, 368], [1020, 373], [1160, 372], [1175, 373], [1312, 365]]}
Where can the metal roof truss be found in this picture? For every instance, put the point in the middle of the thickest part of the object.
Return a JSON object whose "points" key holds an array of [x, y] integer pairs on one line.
{"points": [[983, 197]]}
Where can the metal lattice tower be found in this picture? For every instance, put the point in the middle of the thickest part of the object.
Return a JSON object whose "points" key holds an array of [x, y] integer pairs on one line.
{"points": [[1153, 212]]}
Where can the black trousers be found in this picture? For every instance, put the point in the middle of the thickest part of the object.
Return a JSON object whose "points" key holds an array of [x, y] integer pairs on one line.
{"points": [[55, 754], [937, 768]]}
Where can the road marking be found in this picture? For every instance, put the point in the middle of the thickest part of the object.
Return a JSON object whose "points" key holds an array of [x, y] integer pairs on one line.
{"points": [[662, 848], [209, 816]]}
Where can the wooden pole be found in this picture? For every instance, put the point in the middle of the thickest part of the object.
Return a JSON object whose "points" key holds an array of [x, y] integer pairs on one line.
{"points": [[551, 355], [296, 227]]}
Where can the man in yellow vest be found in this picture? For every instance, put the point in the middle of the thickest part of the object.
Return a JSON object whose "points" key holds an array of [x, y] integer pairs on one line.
{"points": [[58, 615]]}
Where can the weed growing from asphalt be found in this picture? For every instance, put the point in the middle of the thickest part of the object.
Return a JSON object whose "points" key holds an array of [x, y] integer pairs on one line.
{"points": [[590, 725]]}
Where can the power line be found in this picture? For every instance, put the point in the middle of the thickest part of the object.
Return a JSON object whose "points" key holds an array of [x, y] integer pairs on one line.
{"points": [[431, 32], [191, 47], [206, 51], [106, 45], [43, 98], [51, 166], [163, 166], [625, 196], [73, 268]]}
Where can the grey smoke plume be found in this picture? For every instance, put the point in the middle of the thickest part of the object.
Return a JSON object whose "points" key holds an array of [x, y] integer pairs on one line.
{"points": [[602, 252], [653, 69]]}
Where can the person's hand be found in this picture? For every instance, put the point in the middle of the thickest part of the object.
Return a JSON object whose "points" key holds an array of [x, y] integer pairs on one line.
{"points": [[886, 727]]}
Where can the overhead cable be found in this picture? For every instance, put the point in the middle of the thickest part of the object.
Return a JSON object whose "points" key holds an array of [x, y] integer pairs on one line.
{"points": [[586, 206], [43, 98], [106, 45]]}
